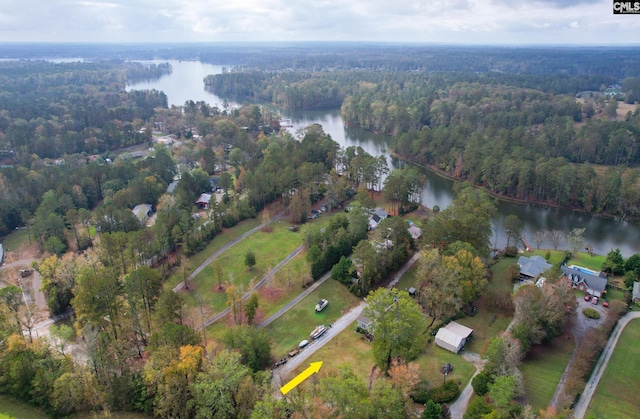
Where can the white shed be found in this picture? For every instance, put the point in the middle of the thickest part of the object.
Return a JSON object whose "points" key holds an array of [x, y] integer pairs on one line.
{"points": [[453, 336]]}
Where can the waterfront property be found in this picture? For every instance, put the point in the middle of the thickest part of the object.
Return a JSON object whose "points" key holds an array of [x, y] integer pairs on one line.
{"points": [[586, 280], [532, 267]]}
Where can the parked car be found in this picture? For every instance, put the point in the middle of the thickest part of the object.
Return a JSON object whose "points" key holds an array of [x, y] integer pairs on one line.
{"points": [[279, 362], [25, 272], [594, 301], [303, 343], [587, 297], [605, 303], [321, 305]]}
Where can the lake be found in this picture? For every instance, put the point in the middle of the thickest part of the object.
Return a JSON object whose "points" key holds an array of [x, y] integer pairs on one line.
{"points": [[186, 83]]}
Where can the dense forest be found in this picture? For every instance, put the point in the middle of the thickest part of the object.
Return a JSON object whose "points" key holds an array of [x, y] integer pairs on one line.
{"points": [[549, 134], [78, 153]]}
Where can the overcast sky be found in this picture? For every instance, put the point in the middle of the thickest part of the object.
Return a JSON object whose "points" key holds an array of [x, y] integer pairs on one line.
{"points": [[423, 21]]}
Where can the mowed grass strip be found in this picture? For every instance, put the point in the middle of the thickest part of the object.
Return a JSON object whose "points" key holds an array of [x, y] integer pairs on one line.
{"points": [[543, 367], [269, 248], [11, 408], [214, 245], [617, 393], [296, 324]]}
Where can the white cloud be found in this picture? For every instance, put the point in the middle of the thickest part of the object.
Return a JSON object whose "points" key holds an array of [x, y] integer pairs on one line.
{"points": [[457, 21]]}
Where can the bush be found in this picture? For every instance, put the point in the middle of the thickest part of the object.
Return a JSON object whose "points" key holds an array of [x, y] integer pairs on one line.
{"points": [[511, 251], [420, 392], [445, 393], [591, 313], [480, 384]]}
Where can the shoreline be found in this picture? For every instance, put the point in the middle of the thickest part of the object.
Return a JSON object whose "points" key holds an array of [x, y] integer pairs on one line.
{"points": [[505, 198]]}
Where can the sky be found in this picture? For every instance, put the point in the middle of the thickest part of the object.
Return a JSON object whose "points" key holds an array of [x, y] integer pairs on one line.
{"points": [[509, 22]]}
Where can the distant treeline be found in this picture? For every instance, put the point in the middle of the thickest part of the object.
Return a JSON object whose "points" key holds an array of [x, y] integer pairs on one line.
{"points": [[53, 109]]}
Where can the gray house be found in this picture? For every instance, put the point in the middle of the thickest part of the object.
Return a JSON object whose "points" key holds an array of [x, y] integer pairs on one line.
{"points": [[532, 267], [589, 283]]}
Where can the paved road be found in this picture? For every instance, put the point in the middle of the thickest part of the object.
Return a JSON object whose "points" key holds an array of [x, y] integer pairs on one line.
{"points": [[282, 374], [585, 399]]}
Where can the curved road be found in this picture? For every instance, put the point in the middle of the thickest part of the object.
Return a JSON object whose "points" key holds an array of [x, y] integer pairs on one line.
{"points": [[585, 399]]}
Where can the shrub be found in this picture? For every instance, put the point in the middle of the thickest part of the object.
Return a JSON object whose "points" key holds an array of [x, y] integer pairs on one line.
{"points": [[591, 313], [420, 392], [511, 251], [480, 384], [445, 393]]}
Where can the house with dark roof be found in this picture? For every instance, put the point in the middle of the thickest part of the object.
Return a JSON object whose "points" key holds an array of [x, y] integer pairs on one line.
{"points": [[532, 267], [584, 281], [203, 201]]}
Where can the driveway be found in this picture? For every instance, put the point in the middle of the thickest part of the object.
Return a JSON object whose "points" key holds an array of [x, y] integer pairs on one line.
{"points": [[585, 399]]}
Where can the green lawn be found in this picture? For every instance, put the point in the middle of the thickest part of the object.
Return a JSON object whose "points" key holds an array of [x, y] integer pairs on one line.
{"points": [[11, 408], [296, 324], [556, 256], [15, 240], [542, 370], [590, 262], [220, 240], [617, 392], [269, 248], [356, 352]]}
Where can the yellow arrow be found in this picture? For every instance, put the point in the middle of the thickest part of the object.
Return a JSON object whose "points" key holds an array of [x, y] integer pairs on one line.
{"points": [[314, 367]]}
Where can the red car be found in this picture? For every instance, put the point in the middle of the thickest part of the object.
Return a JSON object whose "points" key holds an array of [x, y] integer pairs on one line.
{"points": [[587, 297], [605, 304]]}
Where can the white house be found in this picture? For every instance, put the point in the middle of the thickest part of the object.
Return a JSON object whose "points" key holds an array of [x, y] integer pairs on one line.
{"points": [[453, 336]]}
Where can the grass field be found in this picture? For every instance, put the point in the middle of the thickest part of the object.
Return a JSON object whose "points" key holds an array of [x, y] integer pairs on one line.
{"points": [[357, 353], [220, 240], [11, 408], [269, 248], [542, 369], [617, 392], [590, 262], [296, 324]]}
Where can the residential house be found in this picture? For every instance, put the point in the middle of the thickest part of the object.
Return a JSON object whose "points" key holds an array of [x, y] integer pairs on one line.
{"points": [[532, 267], [453, 336], [376, 216], [203, 201], [594, 284], [142, 212]]}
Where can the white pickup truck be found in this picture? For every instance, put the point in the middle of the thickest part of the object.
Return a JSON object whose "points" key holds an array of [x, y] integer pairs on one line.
{"points": [[321, 305]]}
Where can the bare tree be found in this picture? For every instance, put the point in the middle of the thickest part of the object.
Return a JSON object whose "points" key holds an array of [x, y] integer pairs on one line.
{"points": [[540, 236], [557, 237], [576, 239]]}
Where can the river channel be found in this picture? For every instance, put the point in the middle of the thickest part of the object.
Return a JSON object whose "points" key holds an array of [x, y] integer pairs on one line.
{"points": [[186, 83]]}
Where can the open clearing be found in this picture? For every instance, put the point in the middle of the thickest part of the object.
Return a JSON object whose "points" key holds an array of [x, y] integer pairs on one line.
{"points": [[617, 392], [296, 324], [11, 408], [543, 367]]}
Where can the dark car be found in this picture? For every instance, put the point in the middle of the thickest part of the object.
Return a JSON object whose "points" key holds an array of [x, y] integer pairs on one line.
{"points": [[279, 362]]}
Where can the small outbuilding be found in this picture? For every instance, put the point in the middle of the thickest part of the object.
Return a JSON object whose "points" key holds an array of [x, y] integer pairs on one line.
{"points": [[203, 201], [365, 323], [453, 336]]}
